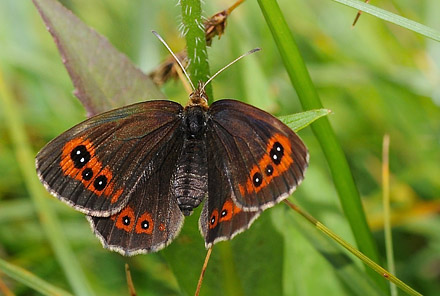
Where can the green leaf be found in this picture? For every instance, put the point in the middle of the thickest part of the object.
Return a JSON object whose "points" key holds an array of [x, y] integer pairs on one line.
{"points": [[298, 121], [103, 77]]}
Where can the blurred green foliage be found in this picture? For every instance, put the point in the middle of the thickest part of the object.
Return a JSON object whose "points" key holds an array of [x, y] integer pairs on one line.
{"points": [[376, 78]]}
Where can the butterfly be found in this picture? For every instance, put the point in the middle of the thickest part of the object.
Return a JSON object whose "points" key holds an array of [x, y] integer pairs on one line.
{"points": [[137, 171]]}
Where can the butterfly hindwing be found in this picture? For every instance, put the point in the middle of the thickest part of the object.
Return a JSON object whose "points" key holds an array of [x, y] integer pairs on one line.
{"points": [[221, 219], [264, 170], [96, 165], [151, 219]]}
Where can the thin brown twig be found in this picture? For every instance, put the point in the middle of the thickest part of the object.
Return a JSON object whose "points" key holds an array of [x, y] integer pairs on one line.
{"points": [[235, 5], [4, 289], [183, 78], [202, 273], [358, 15], [130, 284]]}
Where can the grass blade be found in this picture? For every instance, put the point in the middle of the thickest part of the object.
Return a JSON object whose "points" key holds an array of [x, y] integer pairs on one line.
{"points": [[386, 209], [374, 266], [392, 18], [48, 219], [342, 177], [30, 280], [344, 267]]}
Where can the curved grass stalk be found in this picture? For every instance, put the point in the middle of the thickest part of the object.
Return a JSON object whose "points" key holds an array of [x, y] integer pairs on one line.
{"points": [[48, 219], [370, 263], [342, 177]]}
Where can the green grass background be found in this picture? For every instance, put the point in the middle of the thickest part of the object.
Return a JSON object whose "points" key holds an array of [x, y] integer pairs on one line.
{"points": [[376, 78]]}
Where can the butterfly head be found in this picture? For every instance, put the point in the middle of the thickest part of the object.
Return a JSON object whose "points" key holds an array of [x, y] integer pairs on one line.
{"points": [[198, 97]]}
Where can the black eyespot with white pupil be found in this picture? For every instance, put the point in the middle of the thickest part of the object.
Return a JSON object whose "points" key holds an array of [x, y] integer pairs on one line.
{"points": [[212, 220], [80, 156], [277, 152], [126, 220], [269, 170], [224, 213], [87, 174], [145, 224], [257, 179], [100, 182]]}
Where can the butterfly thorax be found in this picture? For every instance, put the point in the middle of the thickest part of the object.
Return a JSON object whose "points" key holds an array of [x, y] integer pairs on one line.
{"points": [[190, 182]]}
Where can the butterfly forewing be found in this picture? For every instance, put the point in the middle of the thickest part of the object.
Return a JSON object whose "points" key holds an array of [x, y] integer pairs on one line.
{"points": [[264, 159], [96, 165]]}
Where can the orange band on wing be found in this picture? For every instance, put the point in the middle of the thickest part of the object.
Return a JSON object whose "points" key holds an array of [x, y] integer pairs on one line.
{"points": [[87, 169], [270, 165], [145, 224], [125, 219], [213, 220], [228, 211]]}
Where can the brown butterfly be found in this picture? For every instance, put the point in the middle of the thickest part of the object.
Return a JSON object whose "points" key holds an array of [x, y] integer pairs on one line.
{"points": [[138, 170]]}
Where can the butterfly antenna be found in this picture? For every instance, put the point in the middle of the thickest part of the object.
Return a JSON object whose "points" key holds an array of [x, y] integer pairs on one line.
{"points": [[233, 62], [175, 57]]}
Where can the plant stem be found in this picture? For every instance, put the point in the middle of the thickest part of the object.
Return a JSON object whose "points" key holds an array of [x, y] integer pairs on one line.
{"points": [[386, 209], [194, 31], [373, 265], [342, 177]]}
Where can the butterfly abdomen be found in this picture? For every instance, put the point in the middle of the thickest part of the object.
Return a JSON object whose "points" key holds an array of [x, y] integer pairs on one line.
{"points": [[190, 184], [191, 181]]}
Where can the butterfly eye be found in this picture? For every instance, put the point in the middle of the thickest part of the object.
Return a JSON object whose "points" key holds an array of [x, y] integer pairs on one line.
{"points": [[257, 179], [126, 220], [80, 156], [277, 152], [269, 170], [145, 224], [228, 211], [214, 219], [87, 174], [100, 182]]}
